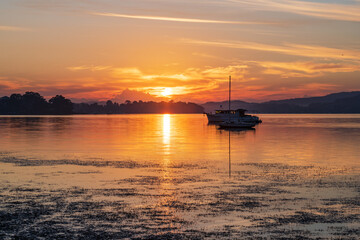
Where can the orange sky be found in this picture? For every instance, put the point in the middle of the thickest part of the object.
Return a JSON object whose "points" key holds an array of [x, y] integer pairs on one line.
{"points": [[182, 50]]}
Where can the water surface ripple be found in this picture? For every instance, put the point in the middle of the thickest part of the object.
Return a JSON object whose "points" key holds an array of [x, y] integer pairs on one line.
{"points": [[167, 177]]}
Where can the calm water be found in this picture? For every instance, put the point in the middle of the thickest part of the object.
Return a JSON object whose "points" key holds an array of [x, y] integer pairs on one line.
{"points": [[170, 177], [160, 139]]}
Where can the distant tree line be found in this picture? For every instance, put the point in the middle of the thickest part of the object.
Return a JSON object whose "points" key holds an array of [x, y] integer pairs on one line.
{"points": [[137, 107], [32, 103]]}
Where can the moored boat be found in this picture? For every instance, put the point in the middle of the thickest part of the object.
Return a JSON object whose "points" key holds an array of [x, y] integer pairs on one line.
{"points": [[234, 119], [232, 115]]}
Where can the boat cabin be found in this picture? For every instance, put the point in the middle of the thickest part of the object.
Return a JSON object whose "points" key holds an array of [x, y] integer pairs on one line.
{"points": [[240, 112]]}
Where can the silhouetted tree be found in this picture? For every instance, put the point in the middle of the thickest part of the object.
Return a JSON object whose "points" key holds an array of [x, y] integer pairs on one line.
{"points": [[61, 105], [5, 105], [34, 103], [110, 107], [138, 107]]}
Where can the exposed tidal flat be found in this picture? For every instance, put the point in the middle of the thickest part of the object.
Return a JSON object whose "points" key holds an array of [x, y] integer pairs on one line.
{"points": [[170, 177]]}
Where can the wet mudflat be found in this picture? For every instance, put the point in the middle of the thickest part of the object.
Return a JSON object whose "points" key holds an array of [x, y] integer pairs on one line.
{"points": [[258, 200]]}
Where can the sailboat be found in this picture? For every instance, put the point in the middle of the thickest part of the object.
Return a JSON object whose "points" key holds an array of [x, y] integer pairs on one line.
{"points": [[235, 122]]}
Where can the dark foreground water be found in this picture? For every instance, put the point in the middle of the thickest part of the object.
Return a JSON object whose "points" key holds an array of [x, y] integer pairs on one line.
{"points": [[174, 177]]}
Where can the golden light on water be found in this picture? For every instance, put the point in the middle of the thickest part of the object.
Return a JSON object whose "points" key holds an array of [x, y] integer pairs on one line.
{"points": [[166, 133], [166, 192], [167, 175]]}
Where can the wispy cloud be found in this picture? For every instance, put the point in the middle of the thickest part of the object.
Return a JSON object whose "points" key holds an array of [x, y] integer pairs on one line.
{"points": [[90, 68], [252, 80], [192, 80], [344, 12], [312, 51], [13, 29], [175, 19], [305, 69]]}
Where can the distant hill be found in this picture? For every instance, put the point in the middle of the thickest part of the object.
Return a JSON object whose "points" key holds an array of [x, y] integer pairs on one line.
{"points": [[343, 102], [324, 99]]}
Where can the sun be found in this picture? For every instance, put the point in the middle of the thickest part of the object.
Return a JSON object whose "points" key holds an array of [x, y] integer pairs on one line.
{"points": [[166, 92]]}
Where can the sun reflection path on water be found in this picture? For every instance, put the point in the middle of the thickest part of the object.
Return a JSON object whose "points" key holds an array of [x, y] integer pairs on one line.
{"points": [[167, 194], [167, 175], [166, 136]]}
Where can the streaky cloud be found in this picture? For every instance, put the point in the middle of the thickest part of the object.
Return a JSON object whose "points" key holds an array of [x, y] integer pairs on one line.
{"points": [[13, 29], [333, 11], [312, 51], [305, 69], [174, 19], [90, 68]]}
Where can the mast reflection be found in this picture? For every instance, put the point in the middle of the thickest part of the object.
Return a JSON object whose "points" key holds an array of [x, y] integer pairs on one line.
{"points": [[238, 131], [229, 154]]}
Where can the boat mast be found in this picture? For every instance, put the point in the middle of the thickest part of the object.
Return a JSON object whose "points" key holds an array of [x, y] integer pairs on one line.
{"points": [[229, 96]]}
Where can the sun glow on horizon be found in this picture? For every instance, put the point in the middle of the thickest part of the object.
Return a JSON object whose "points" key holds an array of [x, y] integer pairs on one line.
{"points": [[166, 92]]}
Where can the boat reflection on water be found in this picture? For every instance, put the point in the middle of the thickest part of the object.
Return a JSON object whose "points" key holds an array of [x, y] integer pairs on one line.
{"points": [[235, 130], [237, 125], [229, 154]]}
